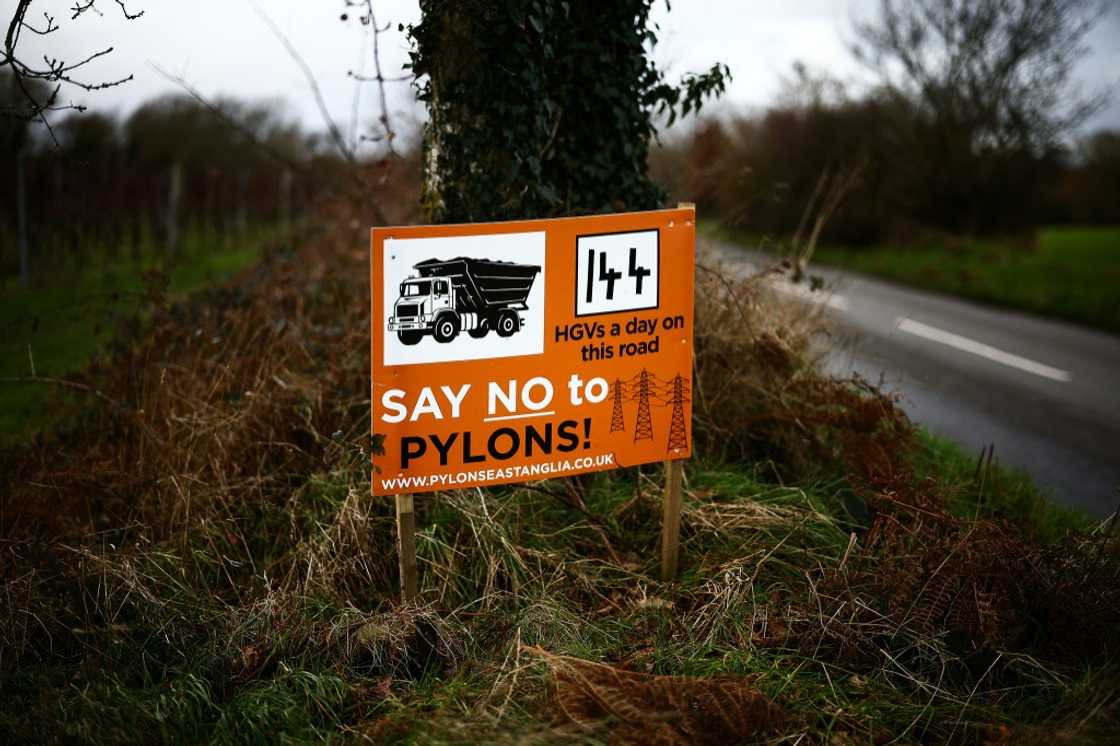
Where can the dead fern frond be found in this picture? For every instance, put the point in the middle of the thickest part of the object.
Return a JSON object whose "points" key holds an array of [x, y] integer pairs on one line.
{"points": [[671, 710]]}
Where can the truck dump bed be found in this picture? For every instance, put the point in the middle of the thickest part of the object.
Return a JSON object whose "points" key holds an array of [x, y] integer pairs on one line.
{"points": [[483, 284]]}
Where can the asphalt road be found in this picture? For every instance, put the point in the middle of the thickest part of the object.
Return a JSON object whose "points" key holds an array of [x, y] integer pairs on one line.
{"points": [[1046, 393]]}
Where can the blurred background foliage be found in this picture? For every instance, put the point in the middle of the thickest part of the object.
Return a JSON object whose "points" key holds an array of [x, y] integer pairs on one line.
{"points": [[121, 185], [758, 171]]}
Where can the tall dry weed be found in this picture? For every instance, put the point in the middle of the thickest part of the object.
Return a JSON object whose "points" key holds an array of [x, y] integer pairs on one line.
{"points": [[760, 391]]}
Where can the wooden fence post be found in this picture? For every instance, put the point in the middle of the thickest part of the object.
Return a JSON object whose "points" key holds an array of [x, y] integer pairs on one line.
{"points": [[21, 220], [174, 197], [286, 182]]}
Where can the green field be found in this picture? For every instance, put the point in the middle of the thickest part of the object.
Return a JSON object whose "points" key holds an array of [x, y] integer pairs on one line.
{"points": [[1071, 273], [57, 330]]}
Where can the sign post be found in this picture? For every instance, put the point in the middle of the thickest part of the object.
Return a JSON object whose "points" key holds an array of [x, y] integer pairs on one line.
{"points": [[526, 350], [671, 519], [671, 502], [406, 546]]}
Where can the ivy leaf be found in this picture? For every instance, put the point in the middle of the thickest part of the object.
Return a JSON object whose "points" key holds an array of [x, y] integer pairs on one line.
{"points": [[548, 193]]}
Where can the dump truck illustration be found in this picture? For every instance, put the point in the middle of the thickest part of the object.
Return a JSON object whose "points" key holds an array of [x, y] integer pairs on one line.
{"points": [[449, 296]]}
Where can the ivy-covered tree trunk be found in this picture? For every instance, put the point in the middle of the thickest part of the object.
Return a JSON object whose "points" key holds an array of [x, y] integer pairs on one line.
{"points": [[541, 108]]}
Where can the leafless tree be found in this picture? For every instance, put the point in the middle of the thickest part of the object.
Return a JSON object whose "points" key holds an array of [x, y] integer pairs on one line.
{"points": [[54, 72], [999, 70], [348, 149]]}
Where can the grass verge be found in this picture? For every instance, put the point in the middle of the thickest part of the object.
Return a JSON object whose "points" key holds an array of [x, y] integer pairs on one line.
{"points": [[1071, 273], [542, 622], [57, 330], [978, 487], [202, 561]]}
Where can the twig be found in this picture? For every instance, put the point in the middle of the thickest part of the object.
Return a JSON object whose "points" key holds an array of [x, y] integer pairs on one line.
{"points": [[384, 117], [127, 15], [731, 293], [65, 384], [1105, 539], [55, 71], [312, 82]]}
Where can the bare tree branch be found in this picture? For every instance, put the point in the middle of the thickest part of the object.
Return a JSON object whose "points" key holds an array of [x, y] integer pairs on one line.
{"points": [[1000, 69], [79, 8], [313, 83], [384, 117], [369, 19], [50, 29], [127, 15], [55, 72]]}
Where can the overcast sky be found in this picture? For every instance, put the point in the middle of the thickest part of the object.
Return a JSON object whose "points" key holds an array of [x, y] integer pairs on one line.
{"points": [[223, 47]]}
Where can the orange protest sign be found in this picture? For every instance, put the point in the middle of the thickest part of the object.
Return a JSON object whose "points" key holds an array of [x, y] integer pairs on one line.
{"points": [[516, 351]]}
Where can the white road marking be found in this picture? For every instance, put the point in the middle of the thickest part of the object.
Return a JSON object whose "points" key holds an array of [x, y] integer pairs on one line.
{"points": [[516, 416], [782, 285], [979, 348]]}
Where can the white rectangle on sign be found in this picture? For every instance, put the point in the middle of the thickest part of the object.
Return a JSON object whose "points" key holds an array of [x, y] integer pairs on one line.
{"points": [[617, 272], [463, 297]]}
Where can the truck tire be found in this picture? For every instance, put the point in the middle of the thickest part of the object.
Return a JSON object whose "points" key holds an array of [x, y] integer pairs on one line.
{"points": [[410, 337], [508, 323], [480, 331], [446, 328]]}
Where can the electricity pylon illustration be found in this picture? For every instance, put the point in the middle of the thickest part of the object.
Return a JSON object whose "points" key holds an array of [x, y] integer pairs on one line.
{"points": [[643, 429], [618, 422], [678, 438]]}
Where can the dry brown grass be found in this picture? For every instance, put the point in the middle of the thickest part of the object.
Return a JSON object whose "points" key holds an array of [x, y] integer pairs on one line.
{"points": [[191, 477], [760, 394], [215, 521]]}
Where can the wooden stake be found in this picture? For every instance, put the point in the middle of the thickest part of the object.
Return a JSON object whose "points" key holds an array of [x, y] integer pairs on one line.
{"points": [[406, 546], [671, 519], [671, 505]]}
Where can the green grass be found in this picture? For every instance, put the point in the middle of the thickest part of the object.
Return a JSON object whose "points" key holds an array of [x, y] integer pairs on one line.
{"points": [[997, 492], [1072, 273], [557, 588], [59, 329]]}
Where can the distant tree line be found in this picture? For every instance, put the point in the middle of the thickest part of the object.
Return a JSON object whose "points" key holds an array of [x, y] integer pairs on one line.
{"points": [[175, 165], [764, 172]]}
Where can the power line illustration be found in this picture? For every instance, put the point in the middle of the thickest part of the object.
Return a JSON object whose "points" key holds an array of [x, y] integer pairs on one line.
{"points": [[649, 391], [618, 421], [643, 430], [678, 438]]}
